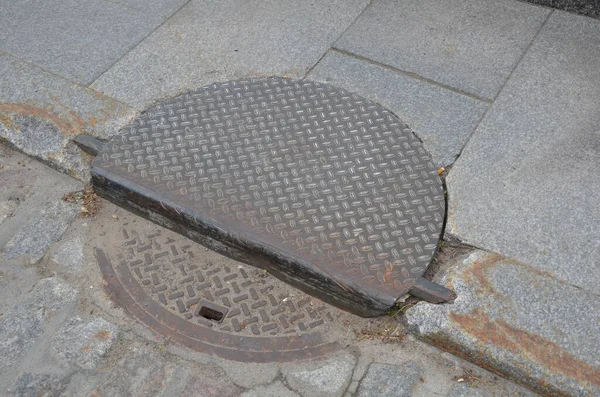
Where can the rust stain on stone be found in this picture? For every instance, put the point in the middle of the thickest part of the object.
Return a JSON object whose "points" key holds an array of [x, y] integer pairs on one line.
{"points": [[103, 335], [70, 123], [65, 126], [478, 272], [545, 352], [445, 343]]}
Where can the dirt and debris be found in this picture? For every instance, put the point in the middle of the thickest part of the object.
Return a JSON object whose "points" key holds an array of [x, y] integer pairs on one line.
{"points": [[447, 251], [388, 329], [87, 199], [468, 376]]}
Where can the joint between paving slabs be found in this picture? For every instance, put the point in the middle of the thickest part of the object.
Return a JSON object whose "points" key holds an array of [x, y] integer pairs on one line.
{"points": [[483, 116], [410, 74], [310, 69]]}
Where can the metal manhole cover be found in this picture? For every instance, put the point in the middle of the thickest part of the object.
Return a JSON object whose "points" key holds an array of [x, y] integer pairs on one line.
{"points": [[328, 191], [211, 303]]}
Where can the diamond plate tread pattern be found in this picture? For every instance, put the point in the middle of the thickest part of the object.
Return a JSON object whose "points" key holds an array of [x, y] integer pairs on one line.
{"points": [[174, 273], [304, 168]]}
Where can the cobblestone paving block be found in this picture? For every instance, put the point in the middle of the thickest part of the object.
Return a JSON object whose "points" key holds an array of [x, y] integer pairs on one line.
{"points": [[141, 372], [384, 380], [33, 385], [521, 322], [275, 389], [84, 342], [208, 387], [22, 325], [261, 373], [327, 378], [39, 233], [16, 185], [70, 254], [466, 390]]}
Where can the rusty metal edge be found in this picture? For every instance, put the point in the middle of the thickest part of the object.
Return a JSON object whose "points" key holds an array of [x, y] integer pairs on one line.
{"points": [[432, 292]]}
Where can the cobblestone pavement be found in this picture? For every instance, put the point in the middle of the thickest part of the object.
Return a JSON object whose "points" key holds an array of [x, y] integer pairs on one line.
{"points": [[61, 334], [503, 94]]}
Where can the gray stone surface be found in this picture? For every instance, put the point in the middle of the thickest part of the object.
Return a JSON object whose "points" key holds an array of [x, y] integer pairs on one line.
{"points": [[70, 254], [466, 390], [207, 387], [470, 45], [32, 241], [33, 384], [140, 372], [23, 324], [326, 378], [275, 389], [442, 118], [7, 208], [83, 342], [523, 322], [30, 187], [384, 380], [41, 112], [158, 8], [215, 40], [75, 39], [262, 373], [533, 160]]}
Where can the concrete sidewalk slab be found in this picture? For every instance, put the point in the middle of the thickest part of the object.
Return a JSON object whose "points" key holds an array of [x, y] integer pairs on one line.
{"points": [[442, 118], [533, 160], [210, 41], [40, 113], [470, 45], [73, 38], [518, 321]]}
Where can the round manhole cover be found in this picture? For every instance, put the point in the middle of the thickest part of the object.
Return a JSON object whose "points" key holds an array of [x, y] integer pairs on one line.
{"points": [[329, 190], [208, 302]]}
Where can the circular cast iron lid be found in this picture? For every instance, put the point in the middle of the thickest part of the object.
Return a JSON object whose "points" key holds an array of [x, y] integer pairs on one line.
{"points": [[309, 175]]}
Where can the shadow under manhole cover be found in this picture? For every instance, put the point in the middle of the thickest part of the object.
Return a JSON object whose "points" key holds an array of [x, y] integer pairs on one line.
{"points": [[210, 303]]}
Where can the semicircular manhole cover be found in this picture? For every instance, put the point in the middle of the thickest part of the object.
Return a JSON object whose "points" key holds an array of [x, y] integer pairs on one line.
{"points": [[328, 190]]}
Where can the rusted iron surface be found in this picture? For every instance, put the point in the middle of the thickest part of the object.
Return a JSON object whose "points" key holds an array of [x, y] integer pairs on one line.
{"points": [[329, 191], [431, 292], [168, 282], [88, 144]]}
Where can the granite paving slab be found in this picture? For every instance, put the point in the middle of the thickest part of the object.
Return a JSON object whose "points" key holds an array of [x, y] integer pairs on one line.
{"points": [[158, 8], [215, 40], [41, 112], [533, 161], [73, 38], [520, 322], [472, 46]]}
